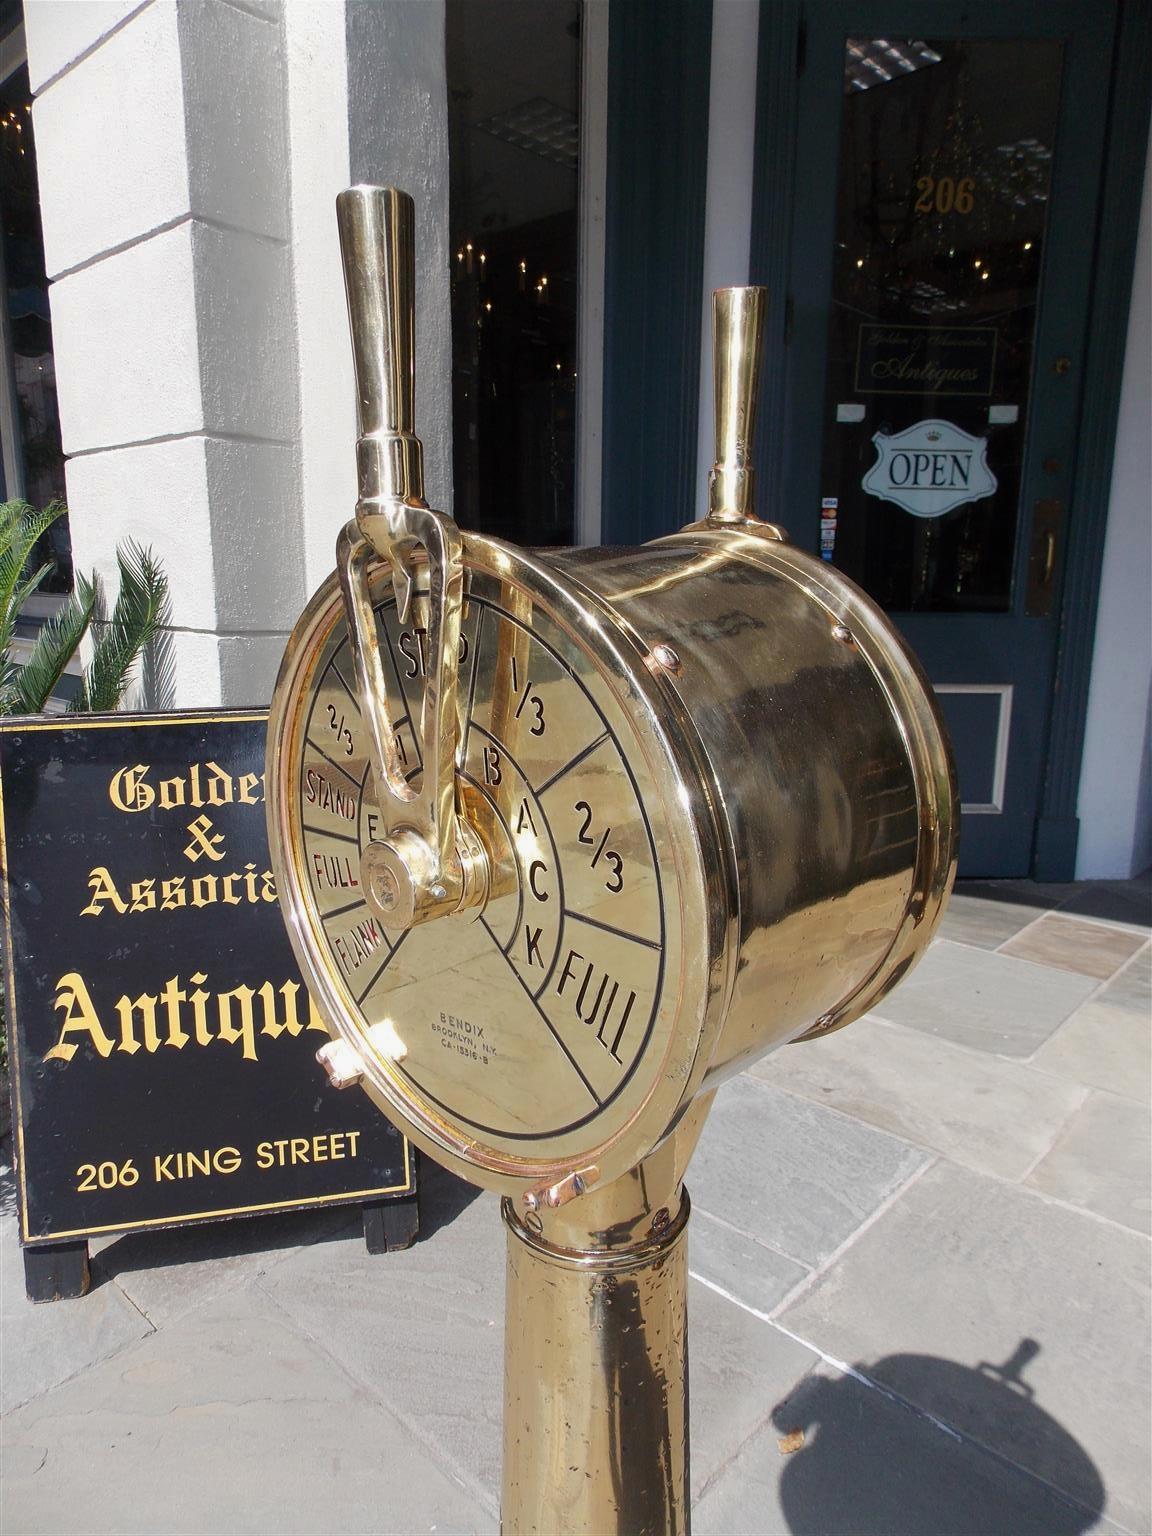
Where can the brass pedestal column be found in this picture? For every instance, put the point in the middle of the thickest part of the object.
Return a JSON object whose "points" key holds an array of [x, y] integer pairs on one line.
{"points": [[596, 1356]]}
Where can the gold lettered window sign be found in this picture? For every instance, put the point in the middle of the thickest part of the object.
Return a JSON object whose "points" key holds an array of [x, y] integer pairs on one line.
{"points": [[162, 1042]]}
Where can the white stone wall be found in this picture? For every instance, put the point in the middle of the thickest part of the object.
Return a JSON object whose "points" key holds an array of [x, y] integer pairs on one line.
{"points": [[190, 152], [731, 179], [162, 150], [1115, 801]]}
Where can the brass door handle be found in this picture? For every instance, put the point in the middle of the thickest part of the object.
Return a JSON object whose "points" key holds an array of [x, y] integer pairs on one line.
{"points": [[1047, 516]]}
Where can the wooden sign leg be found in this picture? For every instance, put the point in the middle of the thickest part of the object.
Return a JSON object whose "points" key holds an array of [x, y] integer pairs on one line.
{"points": [[390, 1224], [56, 1271]]}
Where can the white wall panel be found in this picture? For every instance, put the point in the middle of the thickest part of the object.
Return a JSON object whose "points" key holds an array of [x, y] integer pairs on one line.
{"points": [[258, 567], [112, 156], [234, 91], [61, 31], [245, 327], [126, 344], [158, 495]]}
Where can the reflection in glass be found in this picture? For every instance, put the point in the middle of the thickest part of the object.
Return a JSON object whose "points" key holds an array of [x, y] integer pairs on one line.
{"points": [[513, 92], [34, 420], [942, 206]]}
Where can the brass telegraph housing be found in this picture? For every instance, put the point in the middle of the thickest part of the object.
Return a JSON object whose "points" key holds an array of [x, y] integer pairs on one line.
{"points": [[566, 838]]}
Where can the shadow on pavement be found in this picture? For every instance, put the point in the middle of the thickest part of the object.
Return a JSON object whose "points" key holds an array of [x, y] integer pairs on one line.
{"points": [[7, 1176], [201, 1243], [1112, 901], [866, 1468], [442, 1199]]}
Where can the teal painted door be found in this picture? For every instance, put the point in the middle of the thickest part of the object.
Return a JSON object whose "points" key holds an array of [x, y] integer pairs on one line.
{"points": [[948, 176]]}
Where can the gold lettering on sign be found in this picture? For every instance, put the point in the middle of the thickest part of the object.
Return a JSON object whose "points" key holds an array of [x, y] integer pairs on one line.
{"points": [[176, 1017], [175, 891], [131, 789]]}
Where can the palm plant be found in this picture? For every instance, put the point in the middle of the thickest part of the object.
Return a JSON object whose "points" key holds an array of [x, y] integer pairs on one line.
{"points": [[138, 615], [132, 629]]}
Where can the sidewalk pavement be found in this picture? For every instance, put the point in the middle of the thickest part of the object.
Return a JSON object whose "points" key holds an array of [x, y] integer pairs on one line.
{"points": [[920, 1304]]}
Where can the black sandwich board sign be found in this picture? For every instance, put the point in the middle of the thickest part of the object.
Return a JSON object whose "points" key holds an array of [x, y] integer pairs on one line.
{"points": [[161, 1040]]}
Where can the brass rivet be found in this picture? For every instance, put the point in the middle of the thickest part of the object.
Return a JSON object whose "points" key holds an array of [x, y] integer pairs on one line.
{"points": [[842, 633], [664, 659]]}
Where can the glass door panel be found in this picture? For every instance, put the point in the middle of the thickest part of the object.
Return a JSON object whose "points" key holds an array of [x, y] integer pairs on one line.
{"points": [[946, 193], [941, 214]]}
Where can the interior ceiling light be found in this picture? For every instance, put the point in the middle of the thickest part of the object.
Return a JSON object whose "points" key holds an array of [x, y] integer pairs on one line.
{"points": [[539, 126], [876, 60]]}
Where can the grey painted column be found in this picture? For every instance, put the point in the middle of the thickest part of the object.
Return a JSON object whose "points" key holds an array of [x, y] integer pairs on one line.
{"points": [[398, 136]]}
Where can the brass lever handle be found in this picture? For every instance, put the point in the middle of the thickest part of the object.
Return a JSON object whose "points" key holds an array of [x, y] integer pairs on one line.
{"points": [[378, 244], [416, 872], [737, 340]]}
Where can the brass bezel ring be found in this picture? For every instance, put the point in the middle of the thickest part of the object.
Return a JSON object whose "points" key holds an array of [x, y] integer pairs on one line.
{"points": [[704, 888]]}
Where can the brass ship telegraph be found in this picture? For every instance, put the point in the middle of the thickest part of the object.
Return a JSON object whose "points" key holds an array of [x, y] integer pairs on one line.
{"points": [[565, 839]]}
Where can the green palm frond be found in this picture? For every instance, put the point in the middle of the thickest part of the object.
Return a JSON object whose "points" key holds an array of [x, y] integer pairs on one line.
{"points": [[20, 527], [31, 685], [135, 621]]}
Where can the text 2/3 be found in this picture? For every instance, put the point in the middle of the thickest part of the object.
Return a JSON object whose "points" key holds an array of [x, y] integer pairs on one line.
{"points": [[615, 881], [339, 728]]}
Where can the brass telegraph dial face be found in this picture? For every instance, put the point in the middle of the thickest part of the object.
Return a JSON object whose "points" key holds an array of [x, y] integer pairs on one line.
{"points": [[532, 1030]]}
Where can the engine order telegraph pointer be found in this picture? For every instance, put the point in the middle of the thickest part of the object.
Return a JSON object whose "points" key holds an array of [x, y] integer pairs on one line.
{"points": [[565, 839]]}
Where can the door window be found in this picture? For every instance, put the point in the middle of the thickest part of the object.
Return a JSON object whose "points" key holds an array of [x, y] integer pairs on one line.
{"points": [[32, 459], [514, 134], [942, 205]]}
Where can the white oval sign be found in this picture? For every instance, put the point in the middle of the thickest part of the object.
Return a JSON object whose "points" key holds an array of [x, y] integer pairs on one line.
{"points": [[930, 468]]}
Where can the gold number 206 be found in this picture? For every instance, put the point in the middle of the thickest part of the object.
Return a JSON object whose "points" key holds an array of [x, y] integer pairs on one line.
{"points": [[945, 194]]}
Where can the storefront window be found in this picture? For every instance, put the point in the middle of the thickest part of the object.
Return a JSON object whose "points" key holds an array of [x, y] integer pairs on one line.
{"points": [[942, 208], [33, 460], [514, 93]]}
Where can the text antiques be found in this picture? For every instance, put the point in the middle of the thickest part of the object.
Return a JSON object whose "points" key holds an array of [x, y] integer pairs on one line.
{"points": [[162, 1041]]}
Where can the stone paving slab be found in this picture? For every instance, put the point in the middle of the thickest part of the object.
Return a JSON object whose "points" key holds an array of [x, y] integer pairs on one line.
{"points": [[980, 916], [228, 1421], [796, 1176], [739, 1368], [739, 1263], [422, 1328], [45, 1345], [1075, 944], [1101, 1161], [964, 1273], [1107, 1043], [871, 1466], [990, 1002], [167, 1274], [994, 1116], [425, 1328]]}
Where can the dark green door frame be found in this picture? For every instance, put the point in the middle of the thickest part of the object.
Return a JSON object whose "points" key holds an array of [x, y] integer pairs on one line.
{"points": [[1127, 147], [782, 46], [659, 61]]}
